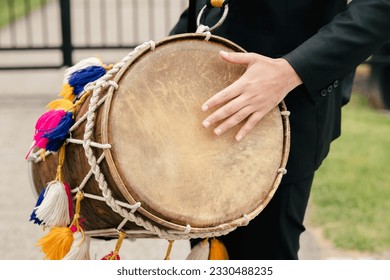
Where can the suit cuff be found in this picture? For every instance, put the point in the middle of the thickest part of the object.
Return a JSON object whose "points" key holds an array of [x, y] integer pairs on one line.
{"points": [[316, 87]]}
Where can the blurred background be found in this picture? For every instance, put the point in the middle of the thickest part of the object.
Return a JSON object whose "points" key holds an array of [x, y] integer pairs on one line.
{"points": [[348, 211]]}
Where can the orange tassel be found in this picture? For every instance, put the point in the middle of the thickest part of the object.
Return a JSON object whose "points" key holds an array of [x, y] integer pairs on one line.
{"points": [[56, 244], [218, 250]]}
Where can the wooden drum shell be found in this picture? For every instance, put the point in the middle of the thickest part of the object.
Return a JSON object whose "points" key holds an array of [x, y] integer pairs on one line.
{"points": [[119, 123]]}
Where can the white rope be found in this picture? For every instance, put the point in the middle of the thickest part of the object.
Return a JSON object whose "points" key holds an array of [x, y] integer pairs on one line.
{"points": [[87, 177], [246, 219], [116, 205], [36, 157], [133, 207], [93, 144], [122, 224], [285, 113], [282, 171], [96, 88]]}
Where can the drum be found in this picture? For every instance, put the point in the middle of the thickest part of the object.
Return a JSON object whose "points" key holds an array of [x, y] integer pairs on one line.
{"points": [[143, 160]]}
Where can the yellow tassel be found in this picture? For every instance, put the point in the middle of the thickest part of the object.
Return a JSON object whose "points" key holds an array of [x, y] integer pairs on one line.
{"points": [[217, 3], [218, 250], [67, 92], [168, 255], [58, 104], [56, 244], [114, 255]]}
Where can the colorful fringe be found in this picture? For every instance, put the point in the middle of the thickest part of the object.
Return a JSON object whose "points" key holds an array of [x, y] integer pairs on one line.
{"points": [[52, 128], [54, 207]]}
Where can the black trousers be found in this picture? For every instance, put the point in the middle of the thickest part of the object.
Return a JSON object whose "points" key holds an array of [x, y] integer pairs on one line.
{"points": [[274, 233]]}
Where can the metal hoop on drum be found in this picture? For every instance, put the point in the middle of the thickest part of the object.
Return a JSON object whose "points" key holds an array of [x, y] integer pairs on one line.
{"points": [[218, 24]]}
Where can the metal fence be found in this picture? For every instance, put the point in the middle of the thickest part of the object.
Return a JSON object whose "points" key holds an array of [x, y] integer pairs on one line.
{"points": [[46, 33]]}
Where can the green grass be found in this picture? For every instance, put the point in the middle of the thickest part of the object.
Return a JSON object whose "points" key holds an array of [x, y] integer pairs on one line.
{"points": [[351, 192], [19, 9]]}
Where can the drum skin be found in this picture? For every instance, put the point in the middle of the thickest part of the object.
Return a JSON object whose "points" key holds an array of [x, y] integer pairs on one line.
{"points": [[161, 154]]}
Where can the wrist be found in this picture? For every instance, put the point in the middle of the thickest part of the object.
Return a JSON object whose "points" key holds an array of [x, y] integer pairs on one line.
{"points": [[290, 76]]}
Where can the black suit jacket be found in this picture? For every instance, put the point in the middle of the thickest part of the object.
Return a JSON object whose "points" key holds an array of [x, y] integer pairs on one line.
{"points": [[324, 41]]}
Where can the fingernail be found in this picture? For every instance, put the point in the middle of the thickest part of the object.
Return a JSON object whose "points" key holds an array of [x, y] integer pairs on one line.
{"points": [[206, 124], [218, 131], [238, 138], [223, 53], [205, 108]]}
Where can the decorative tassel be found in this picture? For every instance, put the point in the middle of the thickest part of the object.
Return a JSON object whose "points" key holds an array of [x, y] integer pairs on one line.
{"points": [[111, 257], [70, 200], [87, 62], [33, 216], [56, 244], [54, 207], [168, 254], [47, 122], [114, 255], [69, 242], [218, 250], [80, 78], [60, 104], [80, 247], [57, 136], [67, 92], [200, 251], [52, 129]]}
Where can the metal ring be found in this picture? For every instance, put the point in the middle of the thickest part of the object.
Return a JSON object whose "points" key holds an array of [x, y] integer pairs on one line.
{"points": [[219, 23]]}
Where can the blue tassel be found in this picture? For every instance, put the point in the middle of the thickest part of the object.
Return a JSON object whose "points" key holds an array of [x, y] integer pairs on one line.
{"points": [[59, 134], [33, 216], [80, 78]]}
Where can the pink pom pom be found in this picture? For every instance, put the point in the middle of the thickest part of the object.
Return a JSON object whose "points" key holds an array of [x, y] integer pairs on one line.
{"points": [[47, 122]]}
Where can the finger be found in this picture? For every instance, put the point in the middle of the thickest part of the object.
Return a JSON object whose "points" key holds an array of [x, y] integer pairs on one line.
{"points": [[237, 57], [225, 111], [235, 88], [223, 96], [233, 120], [249, 125]]}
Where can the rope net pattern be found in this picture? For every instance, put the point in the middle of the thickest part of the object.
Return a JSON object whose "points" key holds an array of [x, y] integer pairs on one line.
{"points": [[126, 210]]}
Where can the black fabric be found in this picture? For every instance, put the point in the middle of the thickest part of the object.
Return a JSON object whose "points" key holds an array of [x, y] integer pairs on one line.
{"points": [[324, 41], [191, 22], [275, 232]]}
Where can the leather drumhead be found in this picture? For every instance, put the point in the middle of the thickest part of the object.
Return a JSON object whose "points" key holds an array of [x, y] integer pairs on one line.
{"points": [[163, 157]]}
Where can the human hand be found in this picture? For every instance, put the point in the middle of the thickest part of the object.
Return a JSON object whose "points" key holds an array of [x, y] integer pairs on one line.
{"points": [[265, 83]]}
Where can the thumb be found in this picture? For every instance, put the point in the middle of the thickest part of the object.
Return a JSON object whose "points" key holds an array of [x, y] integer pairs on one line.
{"points": [[237, 57]]}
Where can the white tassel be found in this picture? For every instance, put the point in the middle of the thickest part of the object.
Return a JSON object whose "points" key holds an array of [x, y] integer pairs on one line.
{"points": [[54, 209], [91, 61], [80, 248], [200, 251]]}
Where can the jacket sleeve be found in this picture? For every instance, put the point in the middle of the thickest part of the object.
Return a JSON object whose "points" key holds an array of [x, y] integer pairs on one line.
{"points": [[340, 46], [181, 25]]}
